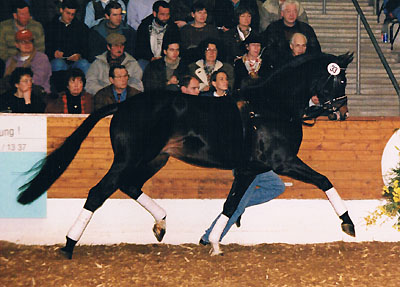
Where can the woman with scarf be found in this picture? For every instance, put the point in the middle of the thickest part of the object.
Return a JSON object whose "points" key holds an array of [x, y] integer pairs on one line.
{"points": [[74, 100]]}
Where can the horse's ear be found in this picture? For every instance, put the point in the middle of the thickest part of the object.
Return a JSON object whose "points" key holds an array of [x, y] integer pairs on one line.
{"points": [[345, 59]]}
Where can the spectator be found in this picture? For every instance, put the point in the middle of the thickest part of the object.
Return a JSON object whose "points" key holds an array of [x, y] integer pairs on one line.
{"points": [[21, 20], [23, 97], [193, 34], [224, 13], [151, 32], [250, 68], [137, 10], [28, 57], [111, 24], [98, 73], [118, 91], [219, 82], [270, 11], [74, 99], [298, 44], [66, 40], [181, 11], [189, 85], [276, 37], [235, 37], [165, 72], [96, 11], [204, 67]]}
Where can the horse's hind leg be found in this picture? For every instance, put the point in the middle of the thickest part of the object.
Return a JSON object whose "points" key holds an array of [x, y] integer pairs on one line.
{"points": [[131, 184], [299, 170], [240, 184], [97, 196]]}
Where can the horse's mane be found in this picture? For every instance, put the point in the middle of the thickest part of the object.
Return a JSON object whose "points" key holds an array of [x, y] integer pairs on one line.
{"points": [[290, 67]]}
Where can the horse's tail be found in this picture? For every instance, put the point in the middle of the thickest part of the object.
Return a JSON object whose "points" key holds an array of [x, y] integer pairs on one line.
{"points": [[53, 166]]}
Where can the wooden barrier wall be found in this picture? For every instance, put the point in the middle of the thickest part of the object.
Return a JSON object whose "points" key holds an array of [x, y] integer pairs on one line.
{"points": [[348, 153]]}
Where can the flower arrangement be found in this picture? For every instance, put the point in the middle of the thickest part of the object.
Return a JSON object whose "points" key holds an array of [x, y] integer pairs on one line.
{"points": [[391, 209]]}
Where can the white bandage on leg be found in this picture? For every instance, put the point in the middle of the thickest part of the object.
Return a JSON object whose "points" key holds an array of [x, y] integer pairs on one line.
{"points": [[219, 226], [80, 224], [151, 206], [336, 201]]}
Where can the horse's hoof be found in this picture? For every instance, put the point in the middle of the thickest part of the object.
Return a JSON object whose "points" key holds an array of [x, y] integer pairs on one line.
{"points": [[238, 224], [215, 249], [159, 229], [349, 229], [203, 242], [66, 253]]}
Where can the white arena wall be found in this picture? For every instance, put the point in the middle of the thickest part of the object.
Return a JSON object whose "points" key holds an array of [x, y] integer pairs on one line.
{"points": [[293, 221]]}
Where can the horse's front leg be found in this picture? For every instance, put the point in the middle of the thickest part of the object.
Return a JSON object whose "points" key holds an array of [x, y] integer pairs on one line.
{"points": [[240, 184], [297, 169]]}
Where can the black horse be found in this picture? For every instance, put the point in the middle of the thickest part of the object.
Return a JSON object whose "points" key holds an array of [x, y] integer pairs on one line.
{"points": [[258, 130]]}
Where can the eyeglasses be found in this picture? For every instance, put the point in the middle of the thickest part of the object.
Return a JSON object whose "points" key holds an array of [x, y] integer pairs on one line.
{"points": [[26, 81], [211, 50], [26, 42], [120, 77]]}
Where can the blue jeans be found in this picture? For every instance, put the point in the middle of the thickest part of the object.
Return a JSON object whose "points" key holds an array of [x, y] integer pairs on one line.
{"points": [[62, 65], [269, 186]]}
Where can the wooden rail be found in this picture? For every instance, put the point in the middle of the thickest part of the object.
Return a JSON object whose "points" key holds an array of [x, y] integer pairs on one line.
{"points": [[348, 153]]}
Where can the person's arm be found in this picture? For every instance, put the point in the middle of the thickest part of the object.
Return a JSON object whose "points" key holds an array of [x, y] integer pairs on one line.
{"points": [[3, 45], [135, 76], [89, 16]]}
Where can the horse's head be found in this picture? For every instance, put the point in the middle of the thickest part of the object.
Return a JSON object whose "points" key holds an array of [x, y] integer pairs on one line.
{"points": [[331, 87]]}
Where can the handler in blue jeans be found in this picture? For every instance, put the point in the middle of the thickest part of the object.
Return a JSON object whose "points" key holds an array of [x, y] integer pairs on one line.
{"points": [[265, 186]]}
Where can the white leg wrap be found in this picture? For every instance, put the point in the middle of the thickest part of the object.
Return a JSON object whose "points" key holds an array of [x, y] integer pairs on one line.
{"points": [[336, 201], [151, 206], [219, 226], [80, 224]]}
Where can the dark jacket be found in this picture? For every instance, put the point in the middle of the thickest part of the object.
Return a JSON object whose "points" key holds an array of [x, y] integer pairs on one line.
{"points": [[224, 13], [71, 39], [98, 43], [143, 49], [106, 97], [276, 41], [242, 77], [155, 75], [234, 46], [60, 104], [11, 104]]}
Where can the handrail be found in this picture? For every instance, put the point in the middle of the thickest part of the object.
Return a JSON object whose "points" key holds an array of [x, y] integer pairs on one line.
{"points": [[377, 48]]}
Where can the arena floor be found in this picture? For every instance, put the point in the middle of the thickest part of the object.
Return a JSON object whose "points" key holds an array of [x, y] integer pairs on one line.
{"points": [[329, 264]]}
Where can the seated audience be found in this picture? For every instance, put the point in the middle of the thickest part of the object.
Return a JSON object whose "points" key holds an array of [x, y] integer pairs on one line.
{"points": [[118, 91], [193, 34], [74, 99], [165, 73], [219, 82], [98, 73], [23, 97], [224, 13], [270, 11], [235, 37], [189, 85], [111, 24], [21, 20], [28, 57], [250, 68], [95, 11], [137, 10], [276, 37], [204, 67], [151, 32], [66, 39]]}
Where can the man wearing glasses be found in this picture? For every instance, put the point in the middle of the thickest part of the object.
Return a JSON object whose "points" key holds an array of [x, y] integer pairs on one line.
{"points": [[118, 91], [98, 73]]}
